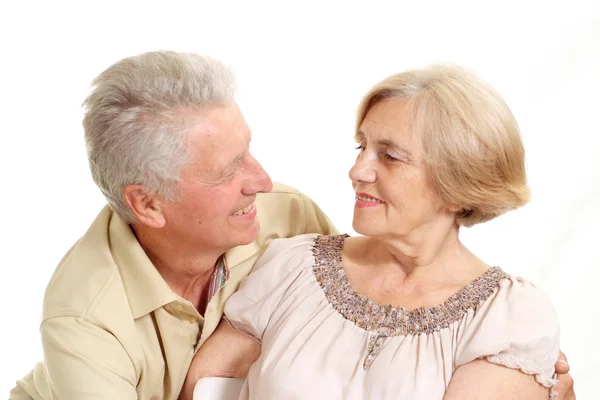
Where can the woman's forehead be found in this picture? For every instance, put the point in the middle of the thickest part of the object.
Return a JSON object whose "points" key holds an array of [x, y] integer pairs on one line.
{"points": [[390, 125]]}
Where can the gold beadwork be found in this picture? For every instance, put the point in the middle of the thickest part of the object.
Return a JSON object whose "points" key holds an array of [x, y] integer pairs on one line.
{"points": [[386, 320]]}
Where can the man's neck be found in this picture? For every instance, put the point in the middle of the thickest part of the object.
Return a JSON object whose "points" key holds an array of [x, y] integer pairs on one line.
{"points": [[186, 272]]}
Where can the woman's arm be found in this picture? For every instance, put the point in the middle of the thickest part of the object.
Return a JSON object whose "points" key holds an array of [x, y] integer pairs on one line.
{"points": [[482, 380], [226, 353]]}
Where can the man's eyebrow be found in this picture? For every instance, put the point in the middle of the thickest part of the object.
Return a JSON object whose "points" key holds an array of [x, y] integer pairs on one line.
{"points": [[234, 163], [240, 156], [238, 159]]}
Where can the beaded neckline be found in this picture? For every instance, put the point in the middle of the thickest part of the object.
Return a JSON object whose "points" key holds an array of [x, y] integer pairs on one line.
{"points": [[387, 320]]}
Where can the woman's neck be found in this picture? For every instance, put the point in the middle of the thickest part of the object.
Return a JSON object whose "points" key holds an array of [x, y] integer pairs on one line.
{"points": [[427, 255]]}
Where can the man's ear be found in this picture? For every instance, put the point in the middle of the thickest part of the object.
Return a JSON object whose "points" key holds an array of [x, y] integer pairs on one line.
{"points": [[147, 208]]}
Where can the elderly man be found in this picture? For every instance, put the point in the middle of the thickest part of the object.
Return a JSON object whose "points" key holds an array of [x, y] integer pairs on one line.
{"points": [[190, 210]]}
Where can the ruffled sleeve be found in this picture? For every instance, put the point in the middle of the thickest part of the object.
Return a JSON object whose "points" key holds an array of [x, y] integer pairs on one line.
{"points": [[516, 327], [250, 308]]}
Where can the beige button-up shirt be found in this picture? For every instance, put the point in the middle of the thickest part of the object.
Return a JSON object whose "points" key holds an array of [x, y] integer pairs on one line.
{"points": [[111, 326]]}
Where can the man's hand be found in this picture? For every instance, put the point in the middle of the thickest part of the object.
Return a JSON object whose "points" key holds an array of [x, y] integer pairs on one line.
{"points": [[565, 381]]}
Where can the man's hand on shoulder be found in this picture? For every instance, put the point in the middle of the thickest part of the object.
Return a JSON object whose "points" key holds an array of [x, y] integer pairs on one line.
{"points": [[565, 387]]}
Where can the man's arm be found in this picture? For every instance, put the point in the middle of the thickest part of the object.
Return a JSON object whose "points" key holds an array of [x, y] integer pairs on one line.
{"points": [[85, 361]]}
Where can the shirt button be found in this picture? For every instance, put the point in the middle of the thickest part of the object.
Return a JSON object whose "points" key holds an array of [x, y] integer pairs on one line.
{"points": [[193, 320], [180, 307]]}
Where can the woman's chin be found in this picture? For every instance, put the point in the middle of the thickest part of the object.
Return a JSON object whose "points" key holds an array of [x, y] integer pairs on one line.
{"points": [[365, 227]]}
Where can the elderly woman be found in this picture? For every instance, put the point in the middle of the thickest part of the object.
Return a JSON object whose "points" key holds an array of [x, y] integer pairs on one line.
{"points": [[404, 311]]}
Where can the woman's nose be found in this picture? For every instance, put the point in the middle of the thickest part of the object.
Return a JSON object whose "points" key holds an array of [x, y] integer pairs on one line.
{"points": [[363, 170]]}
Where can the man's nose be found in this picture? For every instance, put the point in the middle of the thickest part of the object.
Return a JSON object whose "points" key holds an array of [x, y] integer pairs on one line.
{"points": [[258, 180]]}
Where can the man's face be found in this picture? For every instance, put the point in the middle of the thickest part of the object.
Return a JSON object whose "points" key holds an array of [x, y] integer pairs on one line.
{"points": [[216, 209]]}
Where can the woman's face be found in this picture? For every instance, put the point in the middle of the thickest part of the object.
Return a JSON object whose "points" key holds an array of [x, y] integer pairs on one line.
{"points": [[394, 197]]}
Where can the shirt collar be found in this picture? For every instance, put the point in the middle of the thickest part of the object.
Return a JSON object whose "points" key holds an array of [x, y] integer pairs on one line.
{"points": [[145, 288], [239, 254]]}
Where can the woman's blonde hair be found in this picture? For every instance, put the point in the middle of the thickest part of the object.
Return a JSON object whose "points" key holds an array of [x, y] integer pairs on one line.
{"points": [[471, 143]]}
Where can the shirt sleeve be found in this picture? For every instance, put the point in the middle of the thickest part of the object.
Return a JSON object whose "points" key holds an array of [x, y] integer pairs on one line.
{"points": [[251, 307], [516, 327], [84, 361]]}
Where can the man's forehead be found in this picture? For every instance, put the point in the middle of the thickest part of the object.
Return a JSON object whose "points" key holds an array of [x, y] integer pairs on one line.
{"points": [[218, 146], [214, 128]]}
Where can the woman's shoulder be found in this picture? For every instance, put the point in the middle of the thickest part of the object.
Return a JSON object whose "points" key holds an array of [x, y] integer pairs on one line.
{"points": [[306, 247], [516, 327], [522, 300], [513, 305], [518, 317]]}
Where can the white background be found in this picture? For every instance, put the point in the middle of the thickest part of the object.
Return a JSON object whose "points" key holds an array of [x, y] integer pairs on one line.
{"points": [[302, 69]]}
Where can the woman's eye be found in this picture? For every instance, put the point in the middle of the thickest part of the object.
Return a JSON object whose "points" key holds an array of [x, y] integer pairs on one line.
{"points": [[390, 158], [360, 147]]}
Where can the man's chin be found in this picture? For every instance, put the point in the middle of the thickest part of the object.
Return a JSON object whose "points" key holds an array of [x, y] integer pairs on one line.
{"points": [[250, 235]]}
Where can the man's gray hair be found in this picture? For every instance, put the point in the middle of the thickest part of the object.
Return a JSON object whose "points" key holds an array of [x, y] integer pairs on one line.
{"points": [[137, 118]]}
